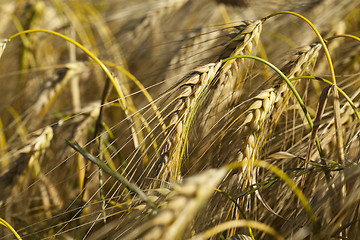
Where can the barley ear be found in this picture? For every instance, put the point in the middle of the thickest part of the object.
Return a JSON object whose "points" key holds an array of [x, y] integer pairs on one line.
{"points": [[185, 107], [51, 90], [254, 122], [184, 202], [29, 158]]}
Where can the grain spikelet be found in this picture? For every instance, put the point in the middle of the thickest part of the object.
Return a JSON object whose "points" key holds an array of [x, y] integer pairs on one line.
{"points": [[244, 42], [254, 122], [300, 63], [303, 61], [184, 202], [252, 130]]}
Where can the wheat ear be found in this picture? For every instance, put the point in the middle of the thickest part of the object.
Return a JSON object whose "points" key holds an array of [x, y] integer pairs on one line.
{"points": [[252, 130], [52, 88], [244, 42], [153, 18], [183, 203], [266, 105], [254, 122], [230, 75], [193, 90], [29, 157]]}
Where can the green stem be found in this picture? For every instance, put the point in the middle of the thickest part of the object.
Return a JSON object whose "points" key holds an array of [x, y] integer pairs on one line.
{"points": [[344, 35], [8, 226], [102, 165]]}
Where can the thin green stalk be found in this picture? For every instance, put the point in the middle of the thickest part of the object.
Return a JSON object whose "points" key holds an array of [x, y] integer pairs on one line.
{"points": [[131, 186], [344, 35]]}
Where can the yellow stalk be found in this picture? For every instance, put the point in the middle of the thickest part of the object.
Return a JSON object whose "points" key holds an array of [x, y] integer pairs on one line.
{"points": [[8, 226]]}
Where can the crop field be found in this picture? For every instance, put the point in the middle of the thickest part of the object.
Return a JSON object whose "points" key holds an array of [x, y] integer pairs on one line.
{"points": [[179, 119]]}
